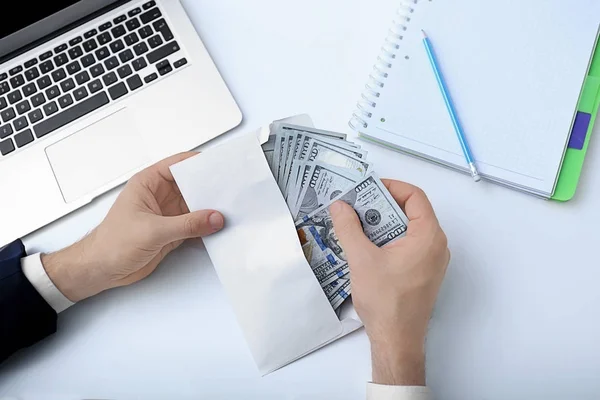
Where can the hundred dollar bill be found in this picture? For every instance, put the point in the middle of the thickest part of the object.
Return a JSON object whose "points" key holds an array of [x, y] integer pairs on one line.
{"points": [[279, 146], [337, 292], [351, 165], [382, 220], [302, 133], [324, 184]]}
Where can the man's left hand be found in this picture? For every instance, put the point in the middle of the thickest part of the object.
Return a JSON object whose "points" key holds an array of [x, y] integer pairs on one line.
{"points": [[148, 220]]}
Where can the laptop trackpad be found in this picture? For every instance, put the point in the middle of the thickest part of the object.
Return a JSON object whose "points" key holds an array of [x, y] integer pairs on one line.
{"points": [[97, 155]]}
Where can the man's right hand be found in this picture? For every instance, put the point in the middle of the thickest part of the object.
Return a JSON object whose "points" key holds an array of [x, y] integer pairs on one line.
{"points": [[394, 288]]}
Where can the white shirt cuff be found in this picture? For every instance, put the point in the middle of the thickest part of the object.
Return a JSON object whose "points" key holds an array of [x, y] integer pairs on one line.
{"points": [[36, 274], [384, 392]]}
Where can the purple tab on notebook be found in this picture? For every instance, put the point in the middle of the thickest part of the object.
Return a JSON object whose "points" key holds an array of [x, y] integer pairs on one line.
{"points": [[580, 129]]}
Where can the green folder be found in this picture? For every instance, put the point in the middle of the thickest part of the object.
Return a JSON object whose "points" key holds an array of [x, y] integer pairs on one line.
{"points": [[589, 103]]}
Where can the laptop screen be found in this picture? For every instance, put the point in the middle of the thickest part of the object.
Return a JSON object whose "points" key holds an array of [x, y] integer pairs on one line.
{"points": [[26, 22]]}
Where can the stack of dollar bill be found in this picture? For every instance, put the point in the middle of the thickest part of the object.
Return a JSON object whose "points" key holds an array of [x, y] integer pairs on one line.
{"points": [[315, 168]]}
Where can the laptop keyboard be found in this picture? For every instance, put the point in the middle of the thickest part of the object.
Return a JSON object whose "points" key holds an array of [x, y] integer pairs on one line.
{"points": [[84, 74]]}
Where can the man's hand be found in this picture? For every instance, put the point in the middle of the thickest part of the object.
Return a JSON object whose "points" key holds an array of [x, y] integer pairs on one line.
{"points": [[148, 220], [395, 287]]}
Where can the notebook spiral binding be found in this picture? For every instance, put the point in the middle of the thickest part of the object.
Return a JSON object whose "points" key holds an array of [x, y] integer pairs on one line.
{"points": [[389, 53]]}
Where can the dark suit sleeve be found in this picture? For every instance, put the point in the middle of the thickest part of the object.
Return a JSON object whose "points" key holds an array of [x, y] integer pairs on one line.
{"points": [[25, 317]]}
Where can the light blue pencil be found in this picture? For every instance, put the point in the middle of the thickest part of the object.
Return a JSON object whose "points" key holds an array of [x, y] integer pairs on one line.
{"points": [[453, 115]]}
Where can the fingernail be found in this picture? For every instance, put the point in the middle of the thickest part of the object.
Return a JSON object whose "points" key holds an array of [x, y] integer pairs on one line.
{"points": [[336, 207], [216, 221]]}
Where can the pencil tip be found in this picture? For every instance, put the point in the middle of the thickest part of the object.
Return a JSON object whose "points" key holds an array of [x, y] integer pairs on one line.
{"points": [[424, 34]]}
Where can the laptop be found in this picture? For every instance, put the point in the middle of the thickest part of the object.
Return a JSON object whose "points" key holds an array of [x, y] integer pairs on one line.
{"points": [[93, 91]]}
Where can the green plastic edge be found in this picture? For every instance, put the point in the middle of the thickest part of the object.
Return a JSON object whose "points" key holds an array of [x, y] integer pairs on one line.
{"points": [[572, 167]]}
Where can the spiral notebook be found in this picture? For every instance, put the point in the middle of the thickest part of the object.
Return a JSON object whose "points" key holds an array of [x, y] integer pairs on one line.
{"points": [[515, 70]]}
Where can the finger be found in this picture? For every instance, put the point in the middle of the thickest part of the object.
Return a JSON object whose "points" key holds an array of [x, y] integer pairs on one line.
{"points": [[163, 167], [188, 226], [349, 230], [411, 199]]}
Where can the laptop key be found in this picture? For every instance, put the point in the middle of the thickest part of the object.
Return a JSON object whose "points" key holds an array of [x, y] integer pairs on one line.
{"points": [[90, 45], [117, 46], [119, 19], [180, 63], [133, 24], [155, 41], [150, 16], [3, 76], [8, 114], [7, 147], [104, 27], [59, 75], [61, 59], [80, 93], [14, 97], [162, 27], [35, 116], [17, 81], [111, 63], [97, 70], [75, 52], [53, 92], [82, 77], [163, 52], [131, 39], [110, 78], [91, 33], [60, 49], [30, 63], [118, 31], [38, 100], [140, 63], [104, 38], [102, 53], [32, 74], [118, 91], [50, 108], [15, 70], [149, 5], [44, 82], [79, 110], [45, 56], [88, 60], [3, 103], [140, 48], [21, 123], [94, 86], [74, 67], [67, 85], [152, 77], [134, 12], [30, 89], [5, 131], [164, 67], [75, 41], [23, 107], [145, 31], [126, 56], [4, 88], [24, 138], [65, 101], [124, 71], [135, 82], [46, 66]]}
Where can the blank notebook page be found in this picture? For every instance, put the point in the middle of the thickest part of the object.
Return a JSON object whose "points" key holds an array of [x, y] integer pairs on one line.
{"points": [[515, 70]]}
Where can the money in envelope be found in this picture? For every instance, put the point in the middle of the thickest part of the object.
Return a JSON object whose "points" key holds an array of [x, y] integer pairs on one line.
{"points": [[279, 260]]}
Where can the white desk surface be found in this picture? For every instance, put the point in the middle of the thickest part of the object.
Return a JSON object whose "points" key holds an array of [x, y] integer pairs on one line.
{"points": [[518, 316]]}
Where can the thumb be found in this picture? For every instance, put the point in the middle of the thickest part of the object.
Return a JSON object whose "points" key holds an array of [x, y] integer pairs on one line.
{"points": [[349, 230], [193, 225]]}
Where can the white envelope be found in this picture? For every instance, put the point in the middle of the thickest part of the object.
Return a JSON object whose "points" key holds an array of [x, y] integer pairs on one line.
{"points": [[276, 298]]}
